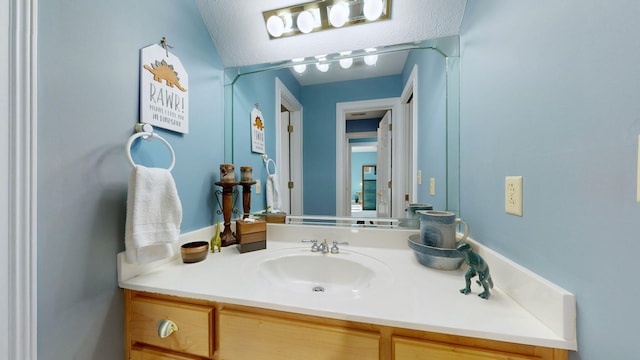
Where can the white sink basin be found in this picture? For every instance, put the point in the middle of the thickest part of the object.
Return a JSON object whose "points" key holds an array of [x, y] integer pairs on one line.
{"points": [[302, 271]]}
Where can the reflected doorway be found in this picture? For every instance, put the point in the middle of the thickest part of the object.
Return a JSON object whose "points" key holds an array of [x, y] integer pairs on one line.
{"points": [[363, 155], [347, 129]]}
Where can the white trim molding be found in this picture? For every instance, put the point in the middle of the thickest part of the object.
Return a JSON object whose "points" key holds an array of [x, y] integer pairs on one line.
{"points": [[285, 98], [409, 92], [22, 304]]}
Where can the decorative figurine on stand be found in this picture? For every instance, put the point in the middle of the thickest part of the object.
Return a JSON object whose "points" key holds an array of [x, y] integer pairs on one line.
{"points": [[246, 180], [477, 266], [216, 240], [228, 183]]}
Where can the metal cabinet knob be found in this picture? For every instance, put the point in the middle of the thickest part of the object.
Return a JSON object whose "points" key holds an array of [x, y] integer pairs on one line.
{"points": [[166, 327]]}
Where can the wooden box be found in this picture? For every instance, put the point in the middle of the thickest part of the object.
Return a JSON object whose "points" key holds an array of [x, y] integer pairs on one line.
{"points": [[277, 218], [251, 235]]}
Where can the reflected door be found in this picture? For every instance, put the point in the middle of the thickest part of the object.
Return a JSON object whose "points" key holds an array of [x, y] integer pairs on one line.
{"points": [[383, 205], [285, 168]]}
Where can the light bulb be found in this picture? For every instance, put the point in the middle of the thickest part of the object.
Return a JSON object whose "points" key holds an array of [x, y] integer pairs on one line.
{"points": [[322, 67], [275, 26], [339, 14], [346, 63], [305, 21], [372, 9], [370, 59], [300, 68]]}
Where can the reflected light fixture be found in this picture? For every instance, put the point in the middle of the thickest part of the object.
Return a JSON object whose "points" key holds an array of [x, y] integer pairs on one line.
{"points": [[321, 15], [299, 68], [371, 59], [346, 61], [322, 65]]}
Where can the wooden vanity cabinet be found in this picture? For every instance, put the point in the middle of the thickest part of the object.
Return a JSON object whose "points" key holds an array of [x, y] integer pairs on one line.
{"points": [[208, 330], [247, 335], [193, 337], [416, 349]]}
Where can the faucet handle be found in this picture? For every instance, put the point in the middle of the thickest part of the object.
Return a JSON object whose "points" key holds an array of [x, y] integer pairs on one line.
{"points": [[335, 249], [314, 247]]}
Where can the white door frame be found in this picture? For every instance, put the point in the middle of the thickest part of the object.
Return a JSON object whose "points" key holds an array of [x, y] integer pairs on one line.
{"points": [[285, 98], [343, 207], [411, 120], [18, 287]]}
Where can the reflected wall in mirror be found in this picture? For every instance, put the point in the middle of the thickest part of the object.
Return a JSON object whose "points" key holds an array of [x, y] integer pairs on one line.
{"points": [[311, 127]]}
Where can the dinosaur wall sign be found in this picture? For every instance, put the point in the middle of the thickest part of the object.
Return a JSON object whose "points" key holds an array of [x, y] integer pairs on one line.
{"points": [[164, 90], [257, 131]]}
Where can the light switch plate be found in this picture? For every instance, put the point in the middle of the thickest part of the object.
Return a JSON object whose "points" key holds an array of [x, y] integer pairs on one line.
{"points": [[432, 186], [258, 187], [513, 195]]}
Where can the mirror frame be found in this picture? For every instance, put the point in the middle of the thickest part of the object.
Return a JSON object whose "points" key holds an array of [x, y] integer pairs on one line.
{"points": [[447, 47]]}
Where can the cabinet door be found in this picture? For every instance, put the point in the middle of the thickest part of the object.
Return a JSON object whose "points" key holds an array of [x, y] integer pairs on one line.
{"points": [[411, 349], [194, 323], [253, 336]]}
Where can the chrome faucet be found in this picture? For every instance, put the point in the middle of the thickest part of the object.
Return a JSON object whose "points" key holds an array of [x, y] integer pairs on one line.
{"points": [[335, 249], [324, 247], [314, 247]]}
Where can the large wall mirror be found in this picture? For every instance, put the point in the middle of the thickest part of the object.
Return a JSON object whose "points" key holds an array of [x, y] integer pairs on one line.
{"points": [[322, 127]]}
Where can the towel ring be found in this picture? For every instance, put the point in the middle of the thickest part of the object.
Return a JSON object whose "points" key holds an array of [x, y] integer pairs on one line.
{"points": [[149, 136], [266, 164]]}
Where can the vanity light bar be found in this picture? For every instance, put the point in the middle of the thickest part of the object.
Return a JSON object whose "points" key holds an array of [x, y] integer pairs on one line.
{"points": [[323, 15], [345, 59]]}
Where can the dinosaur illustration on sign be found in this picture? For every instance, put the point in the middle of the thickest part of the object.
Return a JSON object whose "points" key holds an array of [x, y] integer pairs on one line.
{"points": [[258, 123], [163, 71]]}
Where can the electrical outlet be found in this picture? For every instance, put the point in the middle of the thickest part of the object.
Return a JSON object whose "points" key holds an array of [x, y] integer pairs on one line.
{"points": [[258, 187], [419, 177], [432, 186], [513, 195]]}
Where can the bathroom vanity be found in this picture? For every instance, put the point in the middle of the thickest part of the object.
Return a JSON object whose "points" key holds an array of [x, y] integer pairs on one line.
{"points": [[250, 306]]}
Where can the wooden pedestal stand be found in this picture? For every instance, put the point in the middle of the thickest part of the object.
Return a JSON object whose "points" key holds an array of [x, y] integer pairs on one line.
{"points": [[246, 197], [228, 237]]}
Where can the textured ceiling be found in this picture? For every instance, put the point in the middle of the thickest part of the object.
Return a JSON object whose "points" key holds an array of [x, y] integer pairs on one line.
{"points": [[240, 36]]}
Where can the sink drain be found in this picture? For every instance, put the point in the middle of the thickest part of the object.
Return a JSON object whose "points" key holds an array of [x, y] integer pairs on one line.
{"points": [[317, 289]]}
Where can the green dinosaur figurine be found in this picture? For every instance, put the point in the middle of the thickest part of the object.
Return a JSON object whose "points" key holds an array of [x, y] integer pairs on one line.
{"points": [[216, 240], [477, 266]]}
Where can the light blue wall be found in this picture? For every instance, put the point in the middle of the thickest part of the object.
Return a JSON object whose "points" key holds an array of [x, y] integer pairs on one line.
{"points": [[550, 92], [88, 58], [432, 123], [319, 143], [247, 91]]}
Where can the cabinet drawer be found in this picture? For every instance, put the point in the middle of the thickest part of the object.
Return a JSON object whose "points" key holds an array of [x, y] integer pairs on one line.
{"points": [[256, 336], [194, 334], [143, 353], [412, 349]]}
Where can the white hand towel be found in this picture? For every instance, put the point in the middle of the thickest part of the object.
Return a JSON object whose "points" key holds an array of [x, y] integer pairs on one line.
{"points": [[273, 194], [154, 214]]}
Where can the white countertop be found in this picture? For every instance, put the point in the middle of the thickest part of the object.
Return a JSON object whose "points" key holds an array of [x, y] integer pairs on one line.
{"points": [[418, 298]]}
